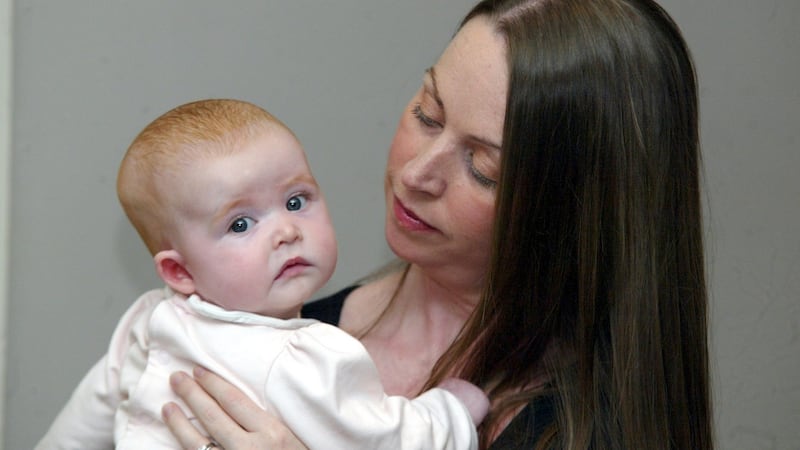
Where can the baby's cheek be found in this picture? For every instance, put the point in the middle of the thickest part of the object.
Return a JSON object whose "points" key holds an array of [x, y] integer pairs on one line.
{"points": [[243, 282]]}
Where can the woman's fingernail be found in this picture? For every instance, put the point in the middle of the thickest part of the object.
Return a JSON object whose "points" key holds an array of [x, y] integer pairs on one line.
{"points": [[198, 371], [167, 410], [176, 378]]}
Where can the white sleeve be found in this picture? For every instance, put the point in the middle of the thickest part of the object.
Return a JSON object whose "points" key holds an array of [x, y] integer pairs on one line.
{"points": [[327, 390], [87, 420]]}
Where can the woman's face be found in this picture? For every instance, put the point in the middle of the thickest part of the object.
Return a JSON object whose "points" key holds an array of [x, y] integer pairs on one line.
{"points": [[444, 161]]}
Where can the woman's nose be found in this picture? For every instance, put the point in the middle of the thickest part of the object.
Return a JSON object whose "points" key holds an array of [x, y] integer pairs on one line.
{"points": [[286, 232], [428, 170]]}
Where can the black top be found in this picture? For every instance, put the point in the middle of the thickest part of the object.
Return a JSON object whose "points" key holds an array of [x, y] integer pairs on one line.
{"points": [[327, 309], [521, 433]]}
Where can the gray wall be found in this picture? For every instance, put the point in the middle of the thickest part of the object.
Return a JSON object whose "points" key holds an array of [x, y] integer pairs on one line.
{"points": [[89, 75]]}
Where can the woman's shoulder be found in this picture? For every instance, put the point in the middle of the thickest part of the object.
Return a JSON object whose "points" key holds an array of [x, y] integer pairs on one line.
{"points": [[328, 309], [357, 306]]}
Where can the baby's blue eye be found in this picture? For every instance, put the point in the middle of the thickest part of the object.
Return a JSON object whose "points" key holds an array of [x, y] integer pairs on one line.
{"points": [[296, 202], [241, 225]]}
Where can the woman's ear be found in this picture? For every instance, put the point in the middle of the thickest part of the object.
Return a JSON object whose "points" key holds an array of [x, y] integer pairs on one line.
{"points": [[169, 265]]}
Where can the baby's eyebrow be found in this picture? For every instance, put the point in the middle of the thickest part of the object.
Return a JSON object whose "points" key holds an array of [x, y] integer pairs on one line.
{"points": [[227, 208], [303, 178]]}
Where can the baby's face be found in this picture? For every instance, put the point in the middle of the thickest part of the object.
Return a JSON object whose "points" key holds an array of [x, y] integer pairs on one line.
{"points": [[255, 234]]}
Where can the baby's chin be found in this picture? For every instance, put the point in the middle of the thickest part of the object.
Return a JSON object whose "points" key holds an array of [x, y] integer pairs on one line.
{"points": [[283, 314], [283, 309]]}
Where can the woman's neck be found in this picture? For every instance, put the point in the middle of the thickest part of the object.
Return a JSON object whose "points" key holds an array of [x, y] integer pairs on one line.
{"points": [[411, 321], [430, 308]]}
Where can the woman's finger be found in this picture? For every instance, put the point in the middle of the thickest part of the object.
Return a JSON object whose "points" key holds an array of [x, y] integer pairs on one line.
{"points": [[236, 404], [186, 434], [205, 408], [232, 418]]}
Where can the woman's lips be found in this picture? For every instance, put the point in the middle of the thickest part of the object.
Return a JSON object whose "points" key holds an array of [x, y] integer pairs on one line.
{"points": [[407, 219]]}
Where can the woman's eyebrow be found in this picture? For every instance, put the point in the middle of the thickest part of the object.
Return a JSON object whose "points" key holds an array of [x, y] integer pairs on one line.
{"points": [[435, 92], [432, 74]]}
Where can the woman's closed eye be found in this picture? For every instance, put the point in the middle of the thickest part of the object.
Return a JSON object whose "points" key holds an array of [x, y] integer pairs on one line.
{"points": [[478, 164], [423, 118]]}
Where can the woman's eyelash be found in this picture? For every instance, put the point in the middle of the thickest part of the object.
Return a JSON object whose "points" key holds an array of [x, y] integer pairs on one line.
{"points": [[482, 179], [423, 118]]}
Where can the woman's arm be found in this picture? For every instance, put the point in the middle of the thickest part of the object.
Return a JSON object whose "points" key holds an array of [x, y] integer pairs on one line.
{"points": [[232, 419]]}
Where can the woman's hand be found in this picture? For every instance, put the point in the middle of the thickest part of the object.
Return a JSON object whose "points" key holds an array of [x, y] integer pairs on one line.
{"points": [[232, 419]]}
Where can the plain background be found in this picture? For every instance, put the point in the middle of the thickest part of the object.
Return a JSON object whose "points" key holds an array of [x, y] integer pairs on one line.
{"points": [[88, 75]]}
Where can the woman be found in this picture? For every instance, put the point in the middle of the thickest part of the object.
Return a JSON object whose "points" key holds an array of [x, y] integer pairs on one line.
{"points": [[543, 192]]}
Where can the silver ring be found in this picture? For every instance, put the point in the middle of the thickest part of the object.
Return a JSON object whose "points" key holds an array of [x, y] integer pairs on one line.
{"points": [[209, 446]]}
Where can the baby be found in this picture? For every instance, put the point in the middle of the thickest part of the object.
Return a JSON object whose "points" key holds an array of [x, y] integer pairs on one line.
{"points": [[221, 193]]}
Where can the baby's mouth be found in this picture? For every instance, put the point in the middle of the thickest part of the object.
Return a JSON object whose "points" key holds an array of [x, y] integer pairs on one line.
{"points": [[292, 267]]}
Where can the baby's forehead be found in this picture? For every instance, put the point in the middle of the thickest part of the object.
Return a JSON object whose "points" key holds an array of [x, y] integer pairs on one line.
{"points": [[271, 158], [235, 139], [184, 157]]}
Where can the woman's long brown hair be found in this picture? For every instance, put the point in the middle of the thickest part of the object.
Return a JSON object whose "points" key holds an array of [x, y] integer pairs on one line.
{"points": [[597, 282]]}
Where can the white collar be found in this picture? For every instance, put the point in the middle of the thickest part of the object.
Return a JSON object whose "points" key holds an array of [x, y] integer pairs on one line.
{"points": [[206, 309]]}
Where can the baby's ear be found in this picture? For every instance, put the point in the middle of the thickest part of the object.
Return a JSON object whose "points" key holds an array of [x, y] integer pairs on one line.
{"points": [[169, 265]]}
